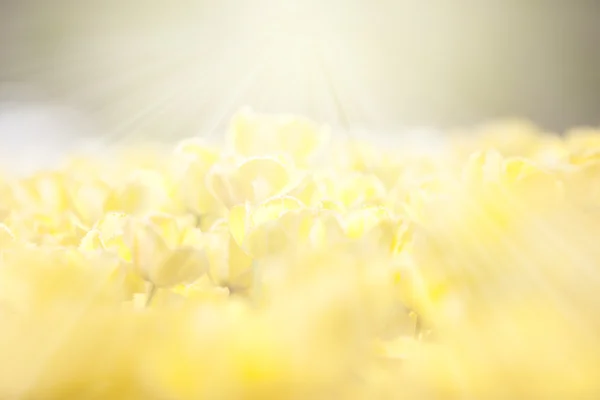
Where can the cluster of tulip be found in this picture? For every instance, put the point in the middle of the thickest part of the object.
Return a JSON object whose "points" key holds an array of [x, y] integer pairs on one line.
{"points": [[288, 264]]}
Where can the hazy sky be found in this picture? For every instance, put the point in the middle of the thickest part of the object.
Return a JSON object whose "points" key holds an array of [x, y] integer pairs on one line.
{"points": [[181, 67]]}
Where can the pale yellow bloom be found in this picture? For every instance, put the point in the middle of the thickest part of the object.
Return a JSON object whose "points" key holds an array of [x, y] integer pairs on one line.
{"points": [[251, 180], [252, 134], [254, 270], [162, 253]]}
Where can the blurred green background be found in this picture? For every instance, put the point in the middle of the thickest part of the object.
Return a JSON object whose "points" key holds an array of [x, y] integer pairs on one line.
{"points": [[399, 64]]}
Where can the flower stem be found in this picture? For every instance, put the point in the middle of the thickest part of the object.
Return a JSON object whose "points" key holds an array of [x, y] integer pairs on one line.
{"points": [[150, 294]]}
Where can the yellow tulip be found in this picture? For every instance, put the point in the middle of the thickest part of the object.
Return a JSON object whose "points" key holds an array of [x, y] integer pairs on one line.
{"points": [[197, 149], [45, 191], [88, 199], [258, 135], [467, 271], [582, 140], [253, 180], [159, 255], [196, 160], [361, 221], [145, 191], [108, 234]]}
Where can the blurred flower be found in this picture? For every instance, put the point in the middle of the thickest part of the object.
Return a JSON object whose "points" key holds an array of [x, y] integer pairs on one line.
{"points": [[253, 134], [255, 271]]}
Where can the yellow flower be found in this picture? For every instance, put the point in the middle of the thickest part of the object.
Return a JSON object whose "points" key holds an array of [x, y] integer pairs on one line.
{"points": [[196, 160], [483, 168], [44, 191], [107, 234], [143, 192], [361, 221], [583, 140], [161, 254], [306, 189], [198, 149], [356, 156], [551, 151], [468, 271], [259, 135], [46, 228], [377, 225], [203, 290], [254, 180], [280, 223], [352, 190], [530, 183], [88, 199], [510, 137], [65, 324], [257, 230], [581, 185]]}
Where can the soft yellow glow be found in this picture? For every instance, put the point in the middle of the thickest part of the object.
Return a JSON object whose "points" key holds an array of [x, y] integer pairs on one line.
{"points": [[469, 275]]}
